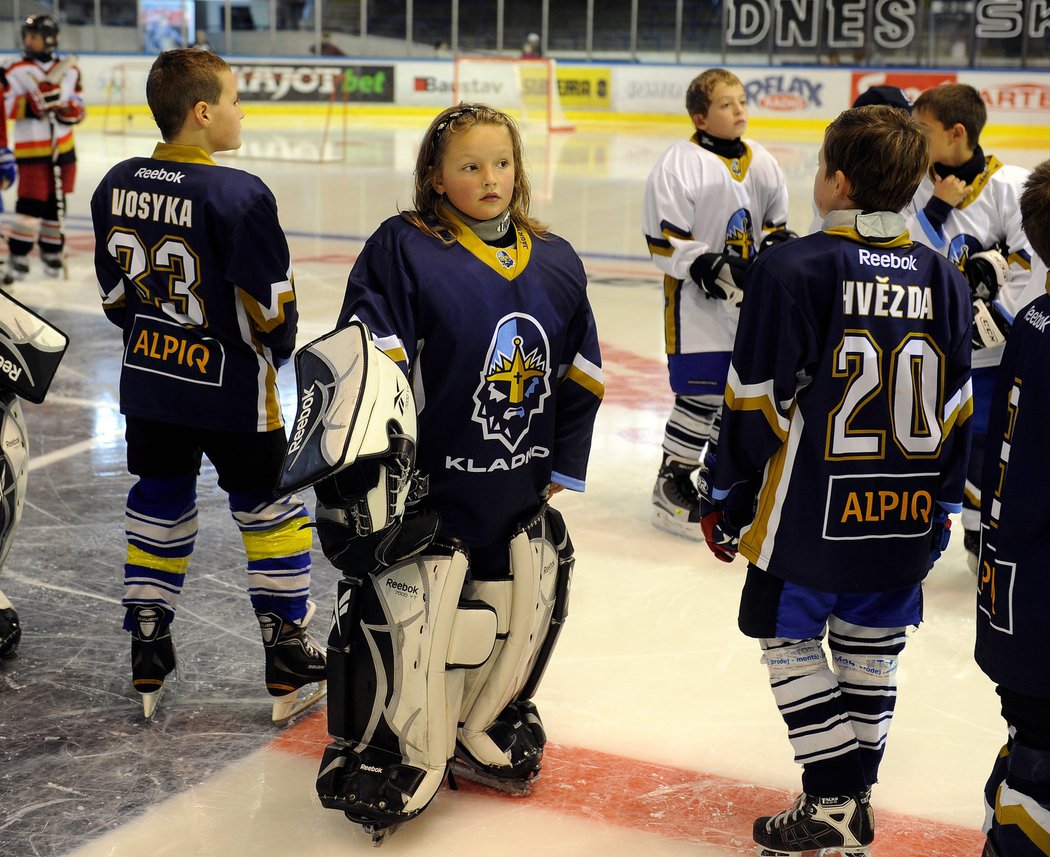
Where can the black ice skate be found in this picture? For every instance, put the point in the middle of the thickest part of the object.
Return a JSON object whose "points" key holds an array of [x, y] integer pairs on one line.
{"points": [[676, 503], [518, 731], [10, 629], [295, 665], [152, 655], [818, 826]]}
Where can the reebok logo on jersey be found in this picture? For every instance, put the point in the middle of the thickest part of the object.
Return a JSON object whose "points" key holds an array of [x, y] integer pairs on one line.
{"points": [[886, 260], [1038, 320], [160, 175]]}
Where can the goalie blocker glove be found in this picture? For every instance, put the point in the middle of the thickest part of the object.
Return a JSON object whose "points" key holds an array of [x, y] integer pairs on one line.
{"points": [[720, 275]]}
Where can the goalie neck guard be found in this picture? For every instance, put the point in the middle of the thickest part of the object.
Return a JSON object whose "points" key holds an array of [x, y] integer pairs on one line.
{"points": [[353, 402]]}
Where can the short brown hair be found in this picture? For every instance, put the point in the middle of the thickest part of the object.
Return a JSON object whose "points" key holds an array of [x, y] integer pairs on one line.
{"points": [[698, 95], [1035, 210], [882, 152], [178, 80], [955, 103], [429, 216]]}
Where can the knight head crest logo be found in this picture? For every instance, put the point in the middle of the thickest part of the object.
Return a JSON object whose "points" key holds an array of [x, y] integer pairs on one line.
{"points": [[515, 381], [740, 240], [504, 258], [961, 248]]}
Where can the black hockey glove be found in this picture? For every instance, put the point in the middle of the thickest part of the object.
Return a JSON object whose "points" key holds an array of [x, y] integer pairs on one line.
{"points": [[720, 275], [940, 533], [722, 520], [990, 326], [775, 238], [987, 272]]}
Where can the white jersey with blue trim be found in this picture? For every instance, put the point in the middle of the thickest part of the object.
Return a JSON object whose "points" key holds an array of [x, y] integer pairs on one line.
{"points": [[502, 350], [989, 216], [697, 202]]}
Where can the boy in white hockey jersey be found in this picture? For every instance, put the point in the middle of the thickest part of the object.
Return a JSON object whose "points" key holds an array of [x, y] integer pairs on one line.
{"points": [[707, 203], [842, 452], [966, 208], [44, 111], [1013, 580]]}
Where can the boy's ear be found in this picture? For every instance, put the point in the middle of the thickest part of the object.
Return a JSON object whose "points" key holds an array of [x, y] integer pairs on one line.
{"points": [[699, 120], [959, 132], [843, 186], [200, 113]]}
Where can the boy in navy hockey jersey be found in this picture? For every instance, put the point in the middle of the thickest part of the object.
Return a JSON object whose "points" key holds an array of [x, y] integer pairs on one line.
{"points": [[487, 313], [193, 267], [1013, 584], [966, 209], [708, 203], [842, 452]]}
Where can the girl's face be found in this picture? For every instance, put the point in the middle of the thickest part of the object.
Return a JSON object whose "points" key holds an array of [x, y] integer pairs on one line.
{"points": [[477, 171], [727, 116]]}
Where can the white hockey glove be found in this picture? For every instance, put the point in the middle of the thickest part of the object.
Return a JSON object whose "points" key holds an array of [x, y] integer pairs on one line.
{"points": [[720, 275], [990, 326]]}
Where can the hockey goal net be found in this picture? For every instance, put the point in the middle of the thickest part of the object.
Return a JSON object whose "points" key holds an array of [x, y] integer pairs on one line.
{"points": [[527, 89]]}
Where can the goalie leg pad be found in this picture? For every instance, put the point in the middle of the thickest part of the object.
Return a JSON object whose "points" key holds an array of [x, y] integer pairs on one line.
{"points": [[398, 646], [500, 730], [14, 458]]}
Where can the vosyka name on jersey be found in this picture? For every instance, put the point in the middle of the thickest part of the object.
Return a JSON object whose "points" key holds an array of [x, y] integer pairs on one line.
{"points": [[147, 205], [882, 298]]}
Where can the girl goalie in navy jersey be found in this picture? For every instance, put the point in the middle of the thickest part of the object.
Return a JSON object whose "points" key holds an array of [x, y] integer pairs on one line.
{"points": [[487, 314]]}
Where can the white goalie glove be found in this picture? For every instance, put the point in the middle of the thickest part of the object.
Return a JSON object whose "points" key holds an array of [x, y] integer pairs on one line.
{"points": [[987, 272], [354, 436]]}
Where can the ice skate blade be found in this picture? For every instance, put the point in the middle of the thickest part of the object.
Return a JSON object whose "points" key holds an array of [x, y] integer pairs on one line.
{"points": [[763, 851], [150, 701], [681, 527], [517, 788], [286, 707], [379, 833]]}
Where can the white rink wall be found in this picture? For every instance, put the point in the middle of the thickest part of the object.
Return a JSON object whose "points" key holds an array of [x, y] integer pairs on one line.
{"points": [[1016, 98]]}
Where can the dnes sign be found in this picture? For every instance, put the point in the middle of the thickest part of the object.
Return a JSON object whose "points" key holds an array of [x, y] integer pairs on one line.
{"points": [[889, 24]]}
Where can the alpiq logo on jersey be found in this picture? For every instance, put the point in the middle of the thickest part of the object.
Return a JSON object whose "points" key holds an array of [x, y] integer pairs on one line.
{"points": [[878, 506]]}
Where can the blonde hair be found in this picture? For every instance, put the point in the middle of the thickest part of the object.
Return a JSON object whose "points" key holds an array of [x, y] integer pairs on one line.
{"points": [[882, 152], [429, 215], [698, 95]]}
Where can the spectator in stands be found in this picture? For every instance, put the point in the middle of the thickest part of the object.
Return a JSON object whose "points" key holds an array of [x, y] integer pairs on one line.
{"points": [[327, 48], [531, 49]]}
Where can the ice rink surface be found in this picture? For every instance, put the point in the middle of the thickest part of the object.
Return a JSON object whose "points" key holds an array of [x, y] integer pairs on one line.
{"points": [[664, 737]]}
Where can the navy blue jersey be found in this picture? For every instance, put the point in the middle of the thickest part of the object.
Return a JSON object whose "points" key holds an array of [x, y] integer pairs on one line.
{"points": [[193, 266], [846, 404], [502, 351], [1013, 585]]}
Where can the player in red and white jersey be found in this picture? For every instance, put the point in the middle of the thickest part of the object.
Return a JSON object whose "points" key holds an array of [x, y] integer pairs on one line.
{"points": [[43, 98]]}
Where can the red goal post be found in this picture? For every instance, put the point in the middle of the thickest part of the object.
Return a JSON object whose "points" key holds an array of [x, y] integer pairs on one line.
{"points": [[527, 89]]}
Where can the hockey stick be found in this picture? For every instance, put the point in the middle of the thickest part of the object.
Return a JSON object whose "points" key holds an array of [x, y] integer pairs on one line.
{"points": [[54, 77]]}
